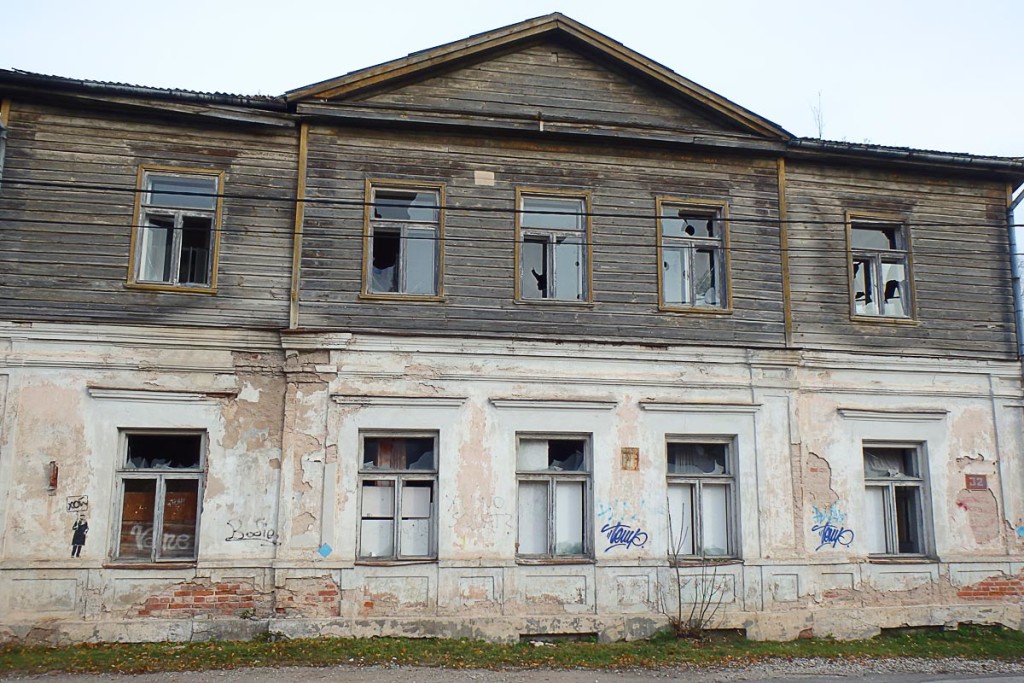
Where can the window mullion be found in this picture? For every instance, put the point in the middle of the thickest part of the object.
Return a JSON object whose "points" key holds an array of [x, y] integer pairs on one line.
{"points": [[697, 518], [891, 545], [396, 531], [400, 262], [158, 518], [176, 246], [553, 517]]}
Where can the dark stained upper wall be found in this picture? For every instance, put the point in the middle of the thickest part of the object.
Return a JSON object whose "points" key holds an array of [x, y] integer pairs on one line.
{"points": [[554, 82], [479, 264], [959, 256], [65, 253]]}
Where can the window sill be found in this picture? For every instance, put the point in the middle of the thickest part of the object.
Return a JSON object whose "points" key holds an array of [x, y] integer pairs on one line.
{"points": [[695, 310], [170, 288], [554, 302], [417, 298], [883, 320], [533, 561], [122, 564], [698, 562], [901, 559], [394, 563]]}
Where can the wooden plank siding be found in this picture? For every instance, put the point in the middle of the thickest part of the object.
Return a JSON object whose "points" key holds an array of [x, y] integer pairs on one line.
{"points": [[556, 83], [959, 256], [66, 248], [479, 246]]}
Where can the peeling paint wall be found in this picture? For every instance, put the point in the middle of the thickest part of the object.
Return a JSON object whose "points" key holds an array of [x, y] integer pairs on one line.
{"points": [[281, 517]]}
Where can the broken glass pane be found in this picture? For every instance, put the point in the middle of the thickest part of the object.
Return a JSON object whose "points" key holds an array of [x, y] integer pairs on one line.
{"points": [[398, 453], [406, 205], [567, 214], [895, 294], [890, 463], [569, 515], [908, 520], [157, 246], [163, 189], [568, 268], [421, 261], [705, 286], [384, 260], [160, 451], [697, 458], [879, 238], [864, 288], [194, 267], [683, 222], [567, 455], [533, 517], [534, 281]]}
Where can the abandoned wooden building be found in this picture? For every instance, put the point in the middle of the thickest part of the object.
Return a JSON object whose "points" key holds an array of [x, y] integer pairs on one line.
{"points": [[523, 334]]}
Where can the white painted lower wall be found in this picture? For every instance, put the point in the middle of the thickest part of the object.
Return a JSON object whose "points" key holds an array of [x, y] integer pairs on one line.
{"points": [[284, 417]]}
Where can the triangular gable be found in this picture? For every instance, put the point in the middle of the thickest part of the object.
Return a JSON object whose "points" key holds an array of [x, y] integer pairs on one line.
{"points": [[695, 100]]}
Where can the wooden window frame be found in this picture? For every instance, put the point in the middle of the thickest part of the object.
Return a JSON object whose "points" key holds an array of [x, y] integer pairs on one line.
{"points": [[523, 193], [905, 255], [918, 483], [720, 211], [135, 248], [399, 477], [728, 478], [552, 479], [161, 476], [371, 186]]}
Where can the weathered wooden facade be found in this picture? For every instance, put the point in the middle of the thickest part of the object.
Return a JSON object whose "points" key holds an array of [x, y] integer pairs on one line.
{"points": [[489, 341]]}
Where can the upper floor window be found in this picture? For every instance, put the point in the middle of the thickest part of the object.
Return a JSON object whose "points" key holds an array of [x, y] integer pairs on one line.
{"points": [[553, 252], [398, 497], [894, 482], [880, 264], [554, 482], [176, 235], [160, 484], [692, 249], [404, 241], [701, 490]]}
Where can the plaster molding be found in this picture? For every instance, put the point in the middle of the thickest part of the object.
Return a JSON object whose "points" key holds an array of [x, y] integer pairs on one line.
{"points": [[723, 408], [895, 415], [157, 396], [540, 404], [400, 401]]}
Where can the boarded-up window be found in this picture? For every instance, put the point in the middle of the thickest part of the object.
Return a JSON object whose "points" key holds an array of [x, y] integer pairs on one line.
{"points": [[554, 496], [398, 497], [160, 481]]}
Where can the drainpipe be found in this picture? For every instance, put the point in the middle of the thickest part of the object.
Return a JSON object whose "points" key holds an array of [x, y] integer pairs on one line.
{"points": [[1017, 270]]}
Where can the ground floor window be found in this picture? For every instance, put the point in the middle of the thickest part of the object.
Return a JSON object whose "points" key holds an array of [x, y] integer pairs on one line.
{"points": [[160, 483], [398, 497], [895, 500], [701, 487], [553, 476]]}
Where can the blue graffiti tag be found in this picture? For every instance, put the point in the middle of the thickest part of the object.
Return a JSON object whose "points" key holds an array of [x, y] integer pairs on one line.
{"points": [[1020, 531], [833, 535], [830, 515], [620, 535]]}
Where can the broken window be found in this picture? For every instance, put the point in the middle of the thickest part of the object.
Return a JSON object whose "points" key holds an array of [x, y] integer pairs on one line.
{"points": [[553, 249], [554, 482], [404, 242], [692, 250], [398, 497], [177, 229], [881, 272], [160, 480], [700, 500], [894, 508]]}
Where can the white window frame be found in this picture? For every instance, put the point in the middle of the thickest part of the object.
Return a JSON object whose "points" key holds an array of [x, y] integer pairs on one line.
{"points": [[918, 483], [874, 261], [550, 236], [144, 209], [161, 477], [399, 478], [552, 479], [698, 481], [404, 228], [687, 246]]}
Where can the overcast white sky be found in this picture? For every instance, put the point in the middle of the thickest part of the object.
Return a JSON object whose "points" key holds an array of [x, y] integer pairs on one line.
{"points": [[933, 74]]}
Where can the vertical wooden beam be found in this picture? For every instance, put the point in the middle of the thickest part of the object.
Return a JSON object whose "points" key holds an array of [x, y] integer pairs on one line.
{"points": [[300, 215], [5, 112], [787, 303]]}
